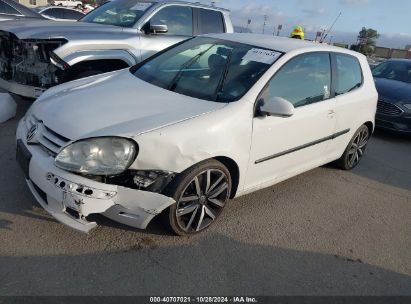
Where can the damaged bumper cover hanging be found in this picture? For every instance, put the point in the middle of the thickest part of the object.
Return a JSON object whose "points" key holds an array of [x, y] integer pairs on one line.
{"points": [[71, 198]]}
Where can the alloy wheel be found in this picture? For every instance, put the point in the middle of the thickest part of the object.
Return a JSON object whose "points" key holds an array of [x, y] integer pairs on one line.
{"points": [[357, 148], [202, 200]]}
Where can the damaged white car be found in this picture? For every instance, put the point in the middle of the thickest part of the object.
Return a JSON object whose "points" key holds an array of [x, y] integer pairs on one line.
{"points": [[211, 119]]}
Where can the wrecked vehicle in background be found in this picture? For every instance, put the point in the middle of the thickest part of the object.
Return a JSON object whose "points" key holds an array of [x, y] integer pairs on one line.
{"points": [[35, 56], [210, 119]]}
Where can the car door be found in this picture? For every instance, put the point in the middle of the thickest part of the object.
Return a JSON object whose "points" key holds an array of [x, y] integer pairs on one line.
{"points": [[285, 146], [179, 20]]}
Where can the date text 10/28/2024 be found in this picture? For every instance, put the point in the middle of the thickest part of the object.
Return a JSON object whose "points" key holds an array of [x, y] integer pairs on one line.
{"points": [[203, 300]]}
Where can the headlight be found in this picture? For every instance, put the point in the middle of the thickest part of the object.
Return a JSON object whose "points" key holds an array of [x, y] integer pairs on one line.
{"points": [[98, 156]]}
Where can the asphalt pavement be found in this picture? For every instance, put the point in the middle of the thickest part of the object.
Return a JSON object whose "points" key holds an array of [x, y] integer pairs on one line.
{"points": [[326, 232]]}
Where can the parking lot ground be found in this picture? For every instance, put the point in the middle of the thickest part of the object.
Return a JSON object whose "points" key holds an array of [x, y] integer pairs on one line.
{"points": [[326, 232]]}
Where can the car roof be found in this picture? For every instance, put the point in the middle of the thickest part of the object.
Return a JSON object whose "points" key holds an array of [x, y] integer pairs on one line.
{"points": [[194, 4], [42, 8], [281, 44]]}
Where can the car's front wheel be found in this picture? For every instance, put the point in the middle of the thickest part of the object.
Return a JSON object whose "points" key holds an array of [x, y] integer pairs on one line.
{"points": [[355, 149], [201, 193]]}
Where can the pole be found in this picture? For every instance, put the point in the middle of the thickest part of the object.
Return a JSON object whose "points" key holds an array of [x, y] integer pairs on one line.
{"points": [[265, 22], [336, 19]]}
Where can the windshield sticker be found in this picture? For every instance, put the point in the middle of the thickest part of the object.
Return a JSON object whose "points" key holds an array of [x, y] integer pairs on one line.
{"points": [[263, 56], [141, 6]]}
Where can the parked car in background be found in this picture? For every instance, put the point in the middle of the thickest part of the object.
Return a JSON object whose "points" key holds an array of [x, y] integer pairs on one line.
{"points": [[374, 61], [68, 3], [122, 32], [11, 10], [60, 13], [87, 8], [393, 82], [210, 119]]}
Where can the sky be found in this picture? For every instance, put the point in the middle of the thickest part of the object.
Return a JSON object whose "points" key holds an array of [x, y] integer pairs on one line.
{"points": [[391, 18]]}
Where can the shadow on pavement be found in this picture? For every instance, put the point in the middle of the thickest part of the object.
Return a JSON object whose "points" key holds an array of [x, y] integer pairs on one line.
{"points": [[215, 265], [388, 159]]}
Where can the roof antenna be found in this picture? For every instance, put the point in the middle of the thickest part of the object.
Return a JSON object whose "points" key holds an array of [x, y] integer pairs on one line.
{"points": [[335, 21]]}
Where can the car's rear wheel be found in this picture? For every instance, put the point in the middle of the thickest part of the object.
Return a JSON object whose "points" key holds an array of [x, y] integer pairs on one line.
{"points": [[355, 149], [201, 194]]}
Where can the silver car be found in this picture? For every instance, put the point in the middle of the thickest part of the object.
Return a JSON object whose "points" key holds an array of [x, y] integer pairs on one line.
{"points": [[59, 13], [38, 55]]}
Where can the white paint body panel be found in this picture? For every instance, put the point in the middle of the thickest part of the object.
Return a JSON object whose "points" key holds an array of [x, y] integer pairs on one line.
{"points": [[175, 132]]}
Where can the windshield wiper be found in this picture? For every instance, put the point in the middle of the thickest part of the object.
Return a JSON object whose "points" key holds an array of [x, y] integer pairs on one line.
{"points": [[184, 66], [223, 78]]}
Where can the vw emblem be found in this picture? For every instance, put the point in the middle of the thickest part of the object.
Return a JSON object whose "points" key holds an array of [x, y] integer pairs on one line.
{"points": [[32, 132]]}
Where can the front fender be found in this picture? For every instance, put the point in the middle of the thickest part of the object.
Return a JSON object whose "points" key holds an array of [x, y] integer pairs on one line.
{"points": [[223, 133]]}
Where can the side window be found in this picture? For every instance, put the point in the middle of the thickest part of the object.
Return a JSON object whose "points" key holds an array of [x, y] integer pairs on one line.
{"points": [[72, 15], [54, 13], [349, 74], [179, 20], [7, 9], [210, 21], [303, 80]]}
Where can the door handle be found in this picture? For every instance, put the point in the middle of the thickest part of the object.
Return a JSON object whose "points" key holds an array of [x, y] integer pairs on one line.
{"points": [[331, 114]]}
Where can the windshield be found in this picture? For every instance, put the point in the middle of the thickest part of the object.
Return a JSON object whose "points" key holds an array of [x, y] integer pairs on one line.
{"points": [[123, 13], [395, 70], [208, 68]]}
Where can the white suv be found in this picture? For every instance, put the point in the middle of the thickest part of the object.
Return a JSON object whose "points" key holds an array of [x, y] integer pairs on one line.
{"points": [[210, 119]]}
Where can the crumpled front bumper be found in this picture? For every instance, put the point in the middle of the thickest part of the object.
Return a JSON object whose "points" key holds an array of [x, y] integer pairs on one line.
{"points": [[70, 198]]}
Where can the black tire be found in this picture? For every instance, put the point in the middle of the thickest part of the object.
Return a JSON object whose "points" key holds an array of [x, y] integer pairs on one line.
{"points": [[355, 149], [198, 202]]}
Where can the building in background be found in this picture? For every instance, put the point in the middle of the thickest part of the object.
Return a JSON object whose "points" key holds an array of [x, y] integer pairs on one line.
{"points": [[33, 3]]}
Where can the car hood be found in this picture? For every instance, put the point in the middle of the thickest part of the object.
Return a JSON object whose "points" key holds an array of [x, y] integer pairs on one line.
{"points": [[117, 104], [393, 90], [46, 29]]}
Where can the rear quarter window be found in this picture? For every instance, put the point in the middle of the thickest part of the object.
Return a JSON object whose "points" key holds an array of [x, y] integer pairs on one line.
{"points": [[349, 74]]}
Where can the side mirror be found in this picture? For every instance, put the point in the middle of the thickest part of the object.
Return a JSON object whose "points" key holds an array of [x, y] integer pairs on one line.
{"points": [[158, 29], [277, 106]]}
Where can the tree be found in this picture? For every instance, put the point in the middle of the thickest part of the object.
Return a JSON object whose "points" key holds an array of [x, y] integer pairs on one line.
{"points": [[367, 38]]}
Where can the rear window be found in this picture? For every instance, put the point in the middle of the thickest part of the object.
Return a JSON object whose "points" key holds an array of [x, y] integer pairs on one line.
{"points": [[349, 74], [210, 22]]}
